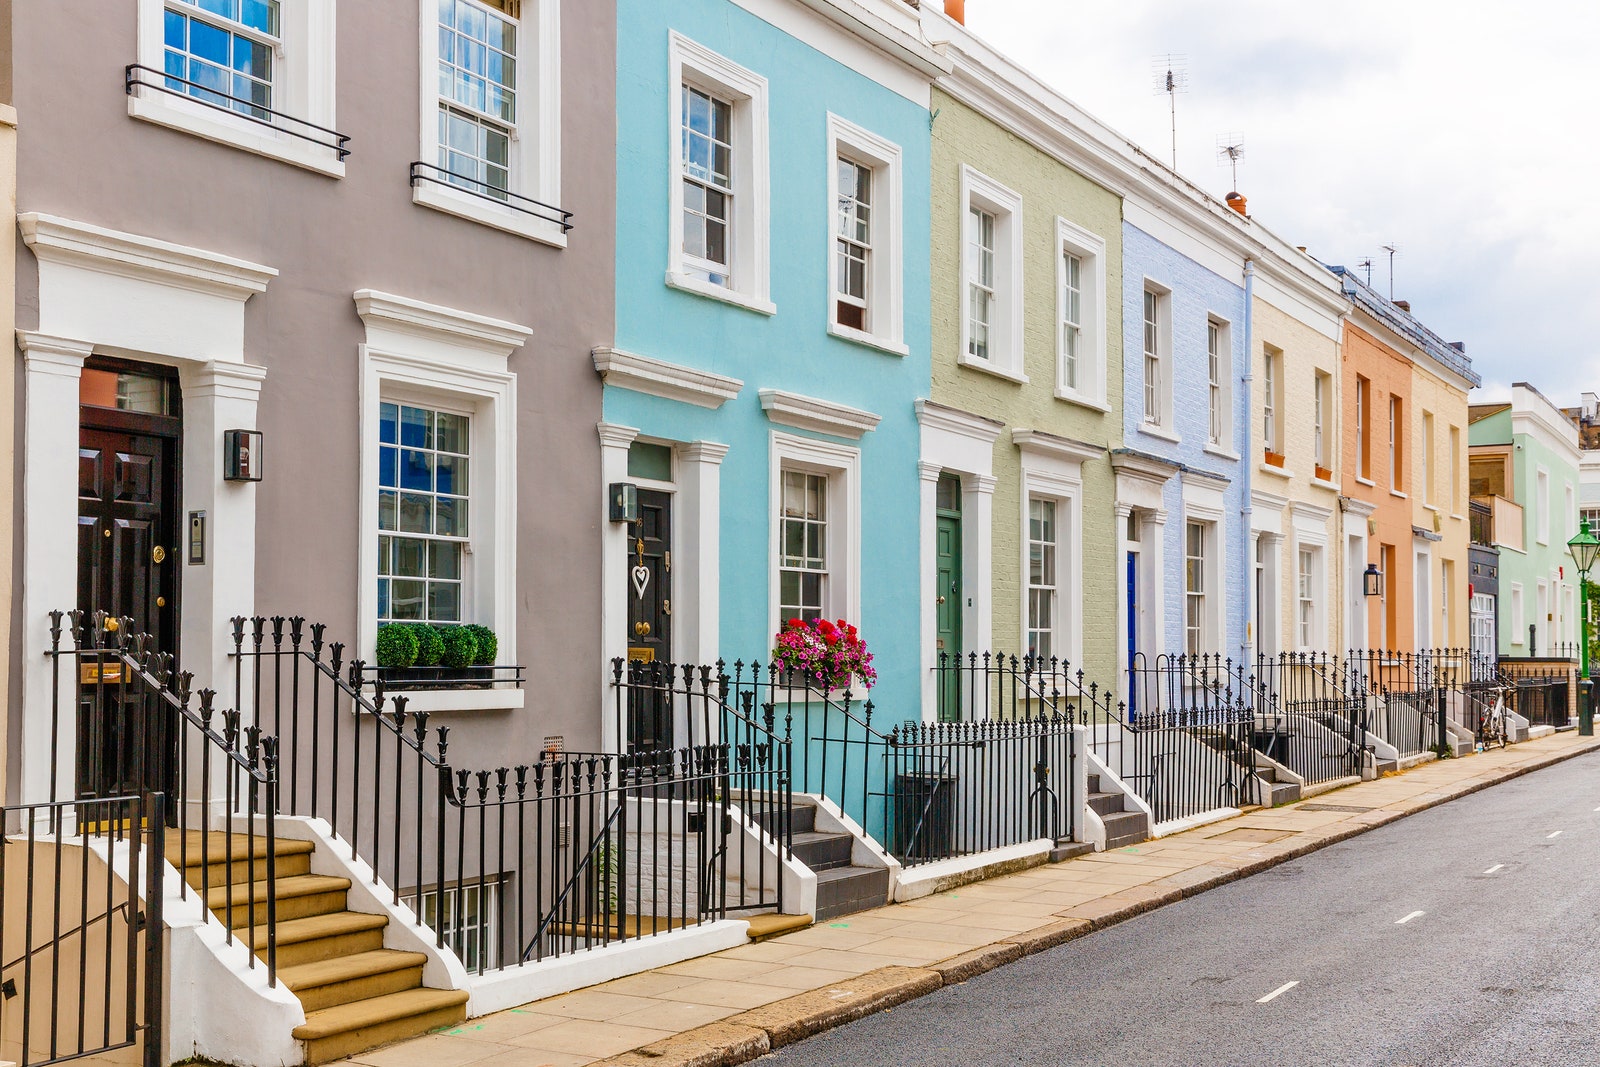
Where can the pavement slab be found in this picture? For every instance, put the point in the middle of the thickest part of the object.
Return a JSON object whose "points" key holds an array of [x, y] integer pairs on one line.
{"points": [[736, 1005]]}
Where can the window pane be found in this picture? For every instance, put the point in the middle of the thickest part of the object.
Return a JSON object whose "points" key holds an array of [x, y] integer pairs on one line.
{"points": [[451, 517], [444, 559], [410, 557], [407, 599], [416, 513], [387, 508], [416, 469], [450, 473], [444, 601]]}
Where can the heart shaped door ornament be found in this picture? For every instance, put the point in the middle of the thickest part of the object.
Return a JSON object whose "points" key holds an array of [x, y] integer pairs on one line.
{"points": [[641, 579]]}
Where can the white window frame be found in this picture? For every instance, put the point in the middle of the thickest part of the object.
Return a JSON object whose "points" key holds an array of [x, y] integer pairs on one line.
{"points": [[1090, 249], [1005, 331], [1429, 461], [1396, 445], [441, 357], [886, 270], [841, 465], [1455, 472], [1364, 429], [1216, 382], [1204, 641], [1481, 637], [1310, 598], [750, 228], [1519, 622], [302, 88], [1541, 506], [1272, 399], [1265, 609], [536, 138], [1422, 596], [1158, 422], [489, 892], [1054, 587], [1321, 418]]}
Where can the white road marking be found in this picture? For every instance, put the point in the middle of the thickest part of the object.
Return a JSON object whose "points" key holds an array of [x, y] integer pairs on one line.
{"points": [[1548, 836], [1280, 991], [1408, 918], [1496, 867]]}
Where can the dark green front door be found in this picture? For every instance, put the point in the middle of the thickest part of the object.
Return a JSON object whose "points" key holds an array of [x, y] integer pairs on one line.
{"points": [[947, 596]]}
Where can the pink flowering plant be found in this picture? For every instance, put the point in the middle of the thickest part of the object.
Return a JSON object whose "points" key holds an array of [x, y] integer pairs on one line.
{"points": [[831, 653]]}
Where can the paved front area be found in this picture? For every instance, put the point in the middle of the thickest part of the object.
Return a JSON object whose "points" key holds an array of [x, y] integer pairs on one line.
{"points": [[891, 954]]}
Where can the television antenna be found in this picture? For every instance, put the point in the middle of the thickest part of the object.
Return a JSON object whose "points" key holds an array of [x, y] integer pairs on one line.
{"points": [[1366, 265], [1230, 150], [1393, 249], [1170, 74]]}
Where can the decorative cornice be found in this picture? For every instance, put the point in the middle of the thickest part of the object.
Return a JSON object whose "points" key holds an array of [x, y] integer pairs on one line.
{"points": [[1314, 512], [613, 435], [386, 311], [1355, 506], [57, 240], [1260, 498], [890, 27], [980, 428], [1039, 443], [1142, 466], [657, 377], [710, 452], [1425, 535], [821, 416]]}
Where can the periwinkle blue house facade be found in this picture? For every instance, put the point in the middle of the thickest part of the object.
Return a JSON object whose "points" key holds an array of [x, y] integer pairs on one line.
{"points": [[1182, 487], [772, 331]]}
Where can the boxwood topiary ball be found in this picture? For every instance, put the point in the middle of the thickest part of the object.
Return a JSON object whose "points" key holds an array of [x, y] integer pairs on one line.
{"points": [[396, 646], [460, 647], [430, 644]]}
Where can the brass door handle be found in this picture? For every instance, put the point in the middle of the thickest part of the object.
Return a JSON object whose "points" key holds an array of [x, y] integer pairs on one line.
{"points": [[641, 628], [158, 554], [940, 600]]}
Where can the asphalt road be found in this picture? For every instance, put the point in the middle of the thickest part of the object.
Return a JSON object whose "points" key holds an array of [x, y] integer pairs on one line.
{"points": [[1468, 934]]}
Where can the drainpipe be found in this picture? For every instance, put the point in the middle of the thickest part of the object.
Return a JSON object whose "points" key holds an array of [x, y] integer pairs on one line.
{"points": [[1248, 641]]}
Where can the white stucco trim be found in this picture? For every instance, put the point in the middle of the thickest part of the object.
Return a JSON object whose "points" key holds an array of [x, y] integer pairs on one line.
{"points": [[1052, 469], [698, 531], [820, 416], [1091, 249], [614, 442], [980, 191], [962, 444], [657, 377], [429, 354], [1204, 500], [303, 87]]}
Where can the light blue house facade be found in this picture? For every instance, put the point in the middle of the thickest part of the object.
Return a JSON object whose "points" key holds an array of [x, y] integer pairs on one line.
{"points": [[1182, 488], [772, 332]]}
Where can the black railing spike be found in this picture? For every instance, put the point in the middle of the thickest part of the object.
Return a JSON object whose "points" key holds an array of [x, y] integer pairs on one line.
{"points": [[185, 681], [616, 670], [444, 743], [277, 631], [252, 737], [75, 627], [483, 786], [317, 629], [55, 630], [462, 778], [238, 633], [296, 631], [207, 708], [521, 771], [336, 657], [258, 627], [419, 728], [501, 776]]}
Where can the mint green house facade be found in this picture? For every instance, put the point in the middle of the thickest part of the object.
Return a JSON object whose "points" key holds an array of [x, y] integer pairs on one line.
{"points": [[1524, 460], [1026, 399]]}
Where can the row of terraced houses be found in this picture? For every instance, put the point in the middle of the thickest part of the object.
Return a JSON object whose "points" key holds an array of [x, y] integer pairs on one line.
{"points": [[624, 333]]}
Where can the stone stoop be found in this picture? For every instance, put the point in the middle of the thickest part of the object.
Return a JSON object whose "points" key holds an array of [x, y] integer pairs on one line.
{"points": [[356, 993], [1123, 828], [842, 888]]}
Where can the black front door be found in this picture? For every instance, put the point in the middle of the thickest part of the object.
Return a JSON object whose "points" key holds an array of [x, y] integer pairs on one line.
{"points": [[128, 558], [650, 618]]}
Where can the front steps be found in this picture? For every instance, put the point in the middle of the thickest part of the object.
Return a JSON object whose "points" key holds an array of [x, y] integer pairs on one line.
{"points": [[842, 889], [356, 993], [1123, 828]]}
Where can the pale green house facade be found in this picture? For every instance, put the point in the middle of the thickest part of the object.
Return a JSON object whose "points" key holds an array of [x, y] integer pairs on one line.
{"points": [[1526, 452], [1026, 400]]}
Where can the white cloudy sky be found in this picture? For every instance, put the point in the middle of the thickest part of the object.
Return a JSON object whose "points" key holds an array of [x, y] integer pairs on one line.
{"points": [[1463, 130]]}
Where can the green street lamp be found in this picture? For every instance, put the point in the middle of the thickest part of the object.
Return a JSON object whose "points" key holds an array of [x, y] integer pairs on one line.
{"points": [[1585, 548]]}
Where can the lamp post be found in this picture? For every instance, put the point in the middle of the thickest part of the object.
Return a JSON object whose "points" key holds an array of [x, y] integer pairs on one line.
{"points": [[1585, 547]]}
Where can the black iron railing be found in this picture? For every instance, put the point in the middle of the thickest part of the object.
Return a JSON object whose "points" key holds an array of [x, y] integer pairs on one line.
{"points": [[1543, 700], [78, 948], [442, 679], [140, 723], [437, 175], [1184, 751], [1410, 693], [138, 76]]}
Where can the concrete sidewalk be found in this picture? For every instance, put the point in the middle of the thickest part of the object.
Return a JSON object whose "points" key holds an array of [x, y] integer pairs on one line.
{"points": [[735, 1005]]}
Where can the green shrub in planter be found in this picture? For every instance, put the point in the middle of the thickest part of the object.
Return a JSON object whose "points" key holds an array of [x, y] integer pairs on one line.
{"points": [[488, 645], [397, 646], [430, 644], [460, 647]]}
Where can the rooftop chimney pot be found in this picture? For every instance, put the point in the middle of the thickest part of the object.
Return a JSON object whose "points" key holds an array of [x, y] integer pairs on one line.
{"points": [[1403, 305], [1238, 203], [956, 9]]}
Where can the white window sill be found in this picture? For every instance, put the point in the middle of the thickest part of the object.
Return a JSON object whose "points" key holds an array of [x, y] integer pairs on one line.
{"points": [[1398, 493], [176, 113], [1432, 507], [1152, 430], [465, 205], [987, 366], [439, 700], [1276, 472], [886, 345], [1221, 453], [1321, 484], [1458, 517], [688, 283], [1082, 401], [1368, 482]]}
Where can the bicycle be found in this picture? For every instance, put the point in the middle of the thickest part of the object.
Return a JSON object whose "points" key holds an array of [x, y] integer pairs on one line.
{"points": [[1492, 724]]}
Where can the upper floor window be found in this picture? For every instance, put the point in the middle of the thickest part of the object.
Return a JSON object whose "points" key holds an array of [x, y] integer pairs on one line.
{"points": [[1363, 428], [1080, 307], [1428, 466], [991, 276], [1157, 338], [256, 75], [1321, 439], [708, 193], [491, 145], [1272, 401], [865, 258], [477, 94], [720, 193], [1213, 383], [1396, 445], [221, 51]]}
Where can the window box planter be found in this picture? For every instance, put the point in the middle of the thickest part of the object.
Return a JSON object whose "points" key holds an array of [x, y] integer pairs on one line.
{"points": [[401, 679], [1324, 474], [1274, 459]]}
